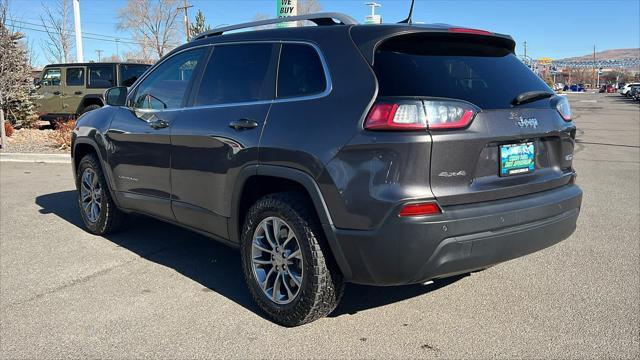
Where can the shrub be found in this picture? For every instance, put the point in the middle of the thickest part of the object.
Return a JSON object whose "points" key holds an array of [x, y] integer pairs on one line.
{"points": [[31, 122], [8, 129], [61, 136]]}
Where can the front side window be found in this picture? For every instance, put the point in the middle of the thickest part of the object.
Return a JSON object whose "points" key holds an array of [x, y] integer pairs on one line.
{"points": [[238, 73], [166, 86], [51, 77], [101, 76], [75, 76], [129, 73], [300, 72]]}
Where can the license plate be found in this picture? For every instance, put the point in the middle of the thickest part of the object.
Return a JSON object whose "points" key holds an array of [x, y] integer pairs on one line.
{"points": [[517, 159]]}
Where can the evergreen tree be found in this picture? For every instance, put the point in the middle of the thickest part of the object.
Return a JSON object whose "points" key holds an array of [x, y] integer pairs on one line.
{"points": [[15, 75], [198, 26]]}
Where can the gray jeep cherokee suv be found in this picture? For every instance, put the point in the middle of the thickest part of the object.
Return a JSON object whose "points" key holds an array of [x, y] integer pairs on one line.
{"points": [[335, 153]]}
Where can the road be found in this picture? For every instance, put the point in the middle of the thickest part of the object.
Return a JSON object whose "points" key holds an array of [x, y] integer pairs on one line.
{"points": [[158, 291]]}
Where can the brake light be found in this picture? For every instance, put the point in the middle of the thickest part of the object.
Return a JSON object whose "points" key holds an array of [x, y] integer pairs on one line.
{"points": [[391, 116], [420, 115], [420, 209], [470, 31], [563, 107]]}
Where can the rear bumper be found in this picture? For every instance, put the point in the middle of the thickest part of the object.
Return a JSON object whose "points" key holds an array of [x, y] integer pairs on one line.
{"points": [[463, 238]]}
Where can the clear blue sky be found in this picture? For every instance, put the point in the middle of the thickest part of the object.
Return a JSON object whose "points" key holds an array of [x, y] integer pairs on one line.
{"points": [[555, 29]]}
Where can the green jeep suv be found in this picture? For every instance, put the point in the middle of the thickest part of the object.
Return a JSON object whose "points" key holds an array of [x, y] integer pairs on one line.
{"points": [[67, 90]]}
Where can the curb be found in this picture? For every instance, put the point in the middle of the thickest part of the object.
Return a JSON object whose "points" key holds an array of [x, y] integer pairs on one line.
{"points": [[36, 158]]}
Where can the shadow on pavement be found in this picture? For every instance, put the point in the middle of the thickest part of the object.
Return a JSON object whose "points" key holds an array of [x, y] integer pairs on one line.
{"points": [[213, 265]]}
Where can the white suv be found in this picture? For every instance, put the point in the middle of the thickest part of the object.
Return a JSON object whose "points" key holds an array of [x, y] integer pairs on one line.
{"points": [[625, 89]]}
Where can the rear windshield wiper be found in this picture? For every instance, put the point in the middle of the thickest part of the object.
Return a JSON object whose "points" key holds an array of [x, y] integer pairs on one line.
{"points": [[530, 96]]}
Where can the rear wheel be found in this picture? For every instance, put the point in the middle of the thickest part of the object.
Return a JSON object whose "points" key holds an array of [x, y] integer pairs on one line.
{"points": [[287, 267], [89, 108], [99, 213]]}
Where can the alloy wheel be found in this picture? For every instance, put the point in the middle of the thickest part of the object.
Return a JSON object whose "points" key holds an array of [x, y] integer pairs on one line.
{"points": [[276, 260]]}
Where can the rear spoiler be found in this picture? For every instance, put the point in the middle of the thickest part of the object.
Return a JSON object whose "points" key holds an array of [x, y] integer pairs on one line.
{"points": [[369, 37]]}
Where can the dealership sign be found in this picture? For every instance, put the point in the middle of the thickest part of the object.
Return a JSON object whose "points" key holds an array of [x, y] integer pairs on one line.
{"points": [[285, 8]]}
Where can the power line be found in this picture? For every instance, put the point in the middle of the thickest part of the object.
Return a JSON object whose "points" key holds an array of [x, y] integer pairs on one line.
{"points": [[70, 31], [83, 36]]}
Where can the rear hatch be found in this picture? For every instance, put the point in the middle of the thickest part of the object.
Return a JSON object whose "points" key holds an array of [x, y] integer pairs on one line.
{"points": [[503, 148]]}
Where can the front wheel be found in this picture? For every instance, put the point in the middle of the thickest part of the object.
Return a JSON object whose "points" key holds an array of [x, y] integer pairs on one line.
{"points": [[99, 213], [287, 266]]}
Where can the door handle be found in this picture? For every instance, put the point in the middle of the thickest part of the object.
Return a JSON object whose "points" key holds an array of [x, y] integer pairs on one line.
{"points": [[243, 124], [159, 124], [78, 92], [57, 92]]}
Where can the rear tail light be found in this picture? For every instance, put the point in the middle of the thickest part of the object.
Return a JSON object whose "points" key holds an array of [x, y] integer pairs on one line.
{"points": [[420, 115], [562, 105], [420, 209]]}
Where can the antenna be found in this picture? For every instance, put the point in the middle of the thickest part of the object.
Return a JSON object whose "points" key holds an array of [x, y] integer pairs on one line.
{"points": [[409, 19]]}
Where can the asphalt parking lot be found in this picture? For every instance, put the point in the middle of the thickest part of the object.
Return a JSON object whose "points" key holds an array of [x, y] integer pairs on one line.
{"points": [[157, 290]]}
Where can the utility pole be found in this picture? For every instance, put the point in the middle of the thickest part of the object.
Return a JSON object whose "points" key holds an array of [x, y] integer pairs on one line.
{"points": [[117, 49], [525, 49], [186, 17], [594, 65], [78, 30], [99, 52], [3, 136]]}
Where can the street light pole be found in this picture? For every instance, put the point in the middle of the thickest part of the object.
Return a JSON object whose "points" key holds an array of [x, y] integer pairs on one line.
{"points": [[78, 31]]}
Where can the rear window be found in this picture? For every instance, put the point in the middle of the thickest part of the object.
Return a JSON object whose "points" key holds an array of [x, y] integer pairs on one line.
{"points": [[487, 76], [300, 72], [130, 73], [101, 76]]}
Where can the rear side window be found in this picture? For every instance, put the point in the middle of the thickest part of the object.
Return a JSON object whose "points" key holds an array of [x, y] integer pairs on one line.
{"points": [[238, 73], [75, 76], [300, 72], [489, 77], [130, 73], [165, 87], [101, 76]]}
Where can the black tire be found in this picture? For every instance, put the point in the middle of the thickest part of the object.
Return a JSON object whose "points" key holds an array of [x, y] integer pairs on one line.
{"points": [[110, 217], [89, 108], [322, 284]]}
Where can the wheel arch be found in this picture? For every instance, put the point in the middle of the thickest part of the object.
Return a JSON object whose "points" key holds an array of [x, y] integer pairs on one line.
{"points": [[83, 146], [286, 179], [89, 99]]}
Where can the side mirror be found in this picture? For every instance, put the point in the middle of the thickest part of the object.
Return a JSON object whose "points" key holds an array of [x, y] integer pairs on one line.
{"points": [[116, 96], [36, 82]]}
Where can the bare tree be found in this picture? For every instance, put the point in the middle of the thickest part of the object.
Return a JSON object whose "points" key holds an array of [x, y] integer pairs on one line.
{"points": [[308, 7], [261, 16], [57, 23], [152, 24]]}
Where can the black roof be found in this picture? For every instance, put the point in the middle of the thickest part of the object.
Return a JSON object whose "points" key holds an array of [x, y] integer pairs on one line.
{"points": [[94, 63]]}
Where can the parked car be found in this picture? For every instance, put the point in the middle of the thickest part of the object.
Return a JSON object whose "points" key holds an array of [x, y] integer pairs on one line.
{"points": [[609, 88], [625, 89], [380, 155], [68, 90], [577, 88], [633, 91]]}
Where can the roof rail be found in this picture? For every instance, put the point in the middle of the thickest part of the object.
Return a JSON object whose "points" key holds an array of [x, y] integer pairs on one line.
{"points": [[320, 19]]}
